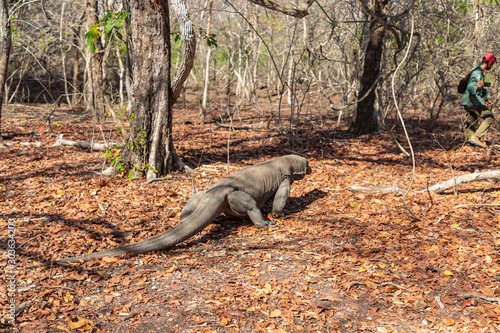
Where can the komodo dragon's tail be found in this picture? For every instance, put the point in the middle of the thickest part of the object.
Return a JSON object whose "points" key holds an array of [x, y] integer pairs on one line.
{"points": [[208, 209]]}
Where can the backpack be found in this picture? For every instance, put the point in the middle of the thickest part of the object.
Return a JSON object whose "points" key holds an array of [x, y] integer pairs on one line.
{"points": [[462, 86]]}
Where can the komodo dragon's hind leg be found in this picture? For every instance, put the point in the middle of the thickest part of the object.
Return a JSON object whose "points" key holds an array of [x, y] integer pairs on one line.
{"points": [[242, 203], [191, 204], [281, 197]]}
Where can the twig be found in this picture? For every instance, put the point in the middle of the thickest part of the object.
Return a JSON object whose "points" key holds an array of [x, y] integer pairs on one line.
{"points": [[476, 205], [402, 120], [486, 298], [240, 128], [57, 103], [377, 284], [439, 302], [292, 151], [398, 144], [29, 240], [38, 286]]}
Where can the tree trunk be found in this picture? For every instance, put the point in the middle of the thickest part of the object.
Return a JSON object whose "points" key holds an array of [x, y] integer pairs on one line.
{"points": [[189, 50], [366, 120], [5, 46], [203, 110], [76, 65], [150, 145], [97, 83]]}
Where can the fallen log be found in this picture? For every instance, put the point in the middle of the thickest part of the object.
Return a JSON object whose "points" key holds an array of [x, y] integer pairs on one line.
{"points": [[463, 179], [83, 144]]}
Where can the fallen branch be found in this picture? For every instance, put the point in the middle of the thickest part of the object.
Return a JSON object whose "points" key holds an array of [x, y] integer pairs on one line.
{"points": [[82, 144], [240, 128], [486, 298], [35, 144], [476, 205], [383, 284], [463, 179], [382, 189]]}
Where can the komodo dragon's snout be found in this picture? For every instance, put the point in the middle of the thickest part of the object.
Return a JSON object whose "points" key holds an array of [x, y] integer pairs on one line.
{"points": [[242, 193]]}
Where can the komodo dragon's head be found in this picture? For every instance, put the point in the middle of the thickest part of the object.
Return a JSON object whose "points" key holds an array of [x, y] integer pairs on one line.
{"points": [[299, 166]]}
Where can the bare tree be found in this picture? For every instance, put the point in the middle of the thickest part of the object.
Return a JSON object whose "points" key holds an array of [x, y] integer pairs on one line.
{"points": [[95, 101], [5, 46], [203, 109]]}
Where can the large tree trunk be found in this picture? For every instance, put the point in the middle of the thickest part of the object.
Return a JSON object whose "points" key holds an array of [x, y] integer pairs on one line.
{"points": [[150, 145], [5, 46], [366, 120], [96, 83]]}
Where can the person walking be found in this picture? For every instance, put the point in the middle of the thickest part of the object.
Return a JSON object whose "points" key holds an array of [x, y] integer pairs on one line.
{"points": [[475, 101]]}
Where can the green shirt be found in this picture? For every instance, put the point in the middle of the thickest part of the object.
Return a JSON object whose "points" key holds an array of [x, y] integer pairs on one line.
{"points": [[472, 95]]}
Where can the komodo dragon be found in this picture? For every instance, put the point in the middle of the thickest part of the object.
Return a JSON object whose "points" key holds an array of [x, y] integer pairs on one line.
{"points": [[239, 194]]}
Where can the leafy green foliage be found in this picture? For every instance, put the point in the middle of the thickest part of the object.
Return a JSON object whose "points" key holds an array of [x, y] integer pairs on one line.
{"points": [[92, 34], [211, 41], [210, 38], [112, 23]]}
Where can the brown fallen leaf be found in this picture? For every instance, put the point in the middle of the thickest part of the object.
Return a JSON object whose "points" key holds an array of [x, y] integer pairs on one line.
{"points": [[275, 313], [469, 302], [62, 328], [80, 324], [448, 321], [420, 305], [487, 291]]}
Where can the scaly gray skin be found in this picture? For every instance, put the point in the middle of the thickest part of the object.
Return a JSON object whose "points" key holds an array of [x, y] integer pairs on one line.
{"points": [[240, 194]]}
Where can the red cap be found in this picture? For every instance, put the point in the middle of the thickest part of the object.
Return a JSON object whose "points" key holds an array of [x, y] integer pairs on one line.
{"points": [[490, 57]]}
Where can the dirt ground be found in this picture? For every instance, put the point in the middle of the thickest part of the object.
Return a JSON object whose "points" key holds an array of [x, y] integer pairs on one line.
{"points": [[337, 262]]}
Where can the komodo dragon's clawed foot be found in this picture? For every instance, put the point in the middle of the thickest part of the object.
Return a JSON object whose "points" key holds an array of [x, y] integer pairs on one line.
{"points": [[277, 215], [271, 224]]}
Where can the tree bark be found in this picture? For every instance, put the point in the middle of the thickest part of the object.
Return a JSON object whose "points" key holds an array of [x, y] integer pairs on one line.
{"points": [[189, 52], [5, 47], [150, 144], [76, 66], [203, 110], [366, 120], [96, 83]]}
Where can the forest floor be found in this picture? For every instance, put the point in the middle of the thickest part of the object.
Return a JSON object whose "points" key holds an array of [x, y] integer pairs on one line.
{"points": [[337, 262]]}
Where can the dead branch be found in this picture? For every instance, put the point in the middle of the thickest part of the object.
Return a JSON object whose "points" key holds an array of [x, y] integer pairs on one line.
{"points": [[35, 144], [251, 127], [483, 297], [463, 179], [83, 144], [476, 205], [383, 284], [381, 189]]}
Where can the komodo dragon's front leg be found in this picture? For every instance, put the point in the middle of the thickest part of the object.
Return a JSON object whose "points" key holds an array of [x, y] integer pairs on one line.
{"points": [[281, 197], [241, 203]]}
